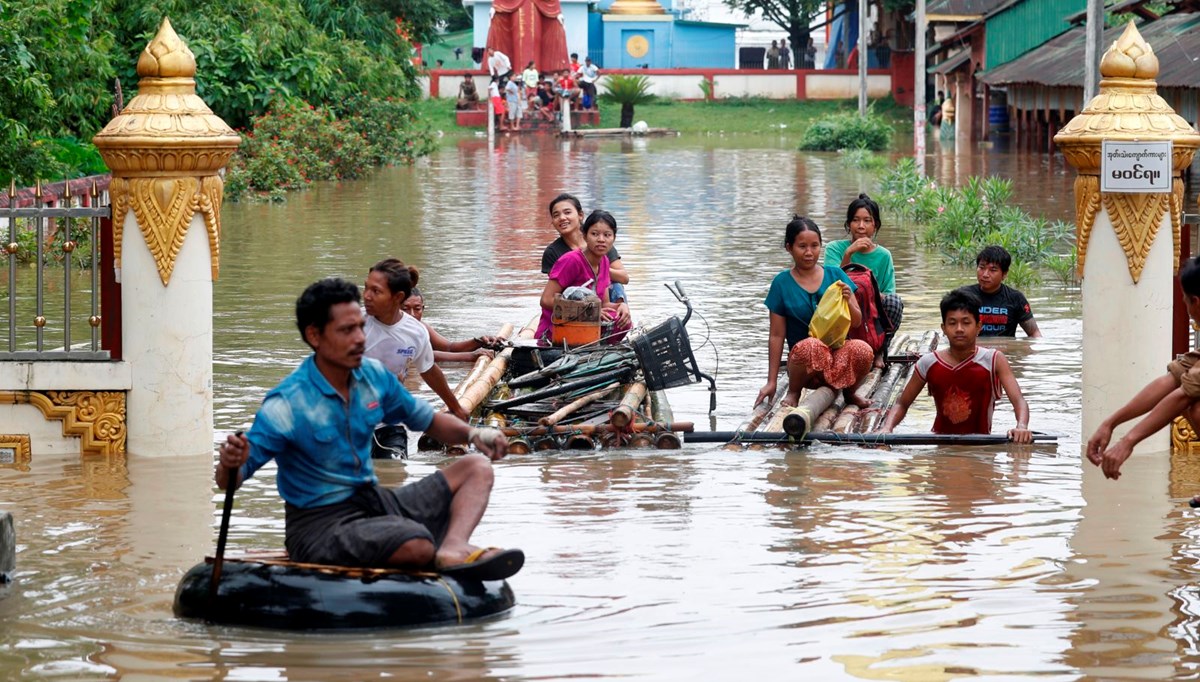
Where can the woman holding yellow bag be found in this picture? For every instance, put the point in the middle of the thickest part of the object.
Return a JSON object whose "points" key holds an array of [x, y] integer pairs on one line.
{"points": [[809, 306]]}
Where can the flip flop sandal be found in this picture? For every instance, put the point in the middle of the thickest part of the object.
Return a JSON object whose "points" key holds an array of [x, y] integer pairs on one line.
{"points": [[499, 566]]}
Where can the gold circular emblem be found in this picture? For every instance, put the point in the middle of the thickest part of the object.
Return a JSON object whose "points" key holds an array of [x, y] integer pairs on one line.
{"points": [[637, 46]]}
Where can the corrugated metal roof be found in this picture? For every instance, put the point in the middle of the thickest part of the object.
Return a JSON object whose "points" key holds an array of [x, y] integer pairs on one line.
{"points": [[976, 8], [951, 64], [1059, 62], [1022, 26]]}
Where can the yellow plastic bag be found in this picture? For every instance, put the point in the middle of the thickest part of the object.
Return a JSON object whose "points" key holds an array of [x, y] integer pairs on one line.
{"points": [[830, 323]]}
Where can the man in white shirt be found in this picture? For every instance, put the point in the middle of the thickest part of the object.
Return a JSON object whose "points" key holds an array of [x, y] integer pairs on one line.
{"points": [[498, 64], [588, 75]]}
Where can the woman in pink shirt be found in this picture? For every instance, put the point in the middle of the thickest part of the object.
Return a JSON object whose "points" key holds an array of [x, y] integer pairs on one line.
{"points": [[587, 266]]}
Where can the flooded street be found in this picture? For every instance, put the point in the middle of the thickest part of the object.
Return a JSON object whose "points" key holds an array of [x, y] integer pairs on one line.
{"points": [[831, 563]]}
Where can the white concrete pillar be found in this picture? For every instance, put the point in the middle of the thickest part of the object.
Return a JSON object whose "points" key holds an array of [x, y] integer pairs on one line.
{"points": [[1126, 325], [165, 150], [167, 339], [964, 112], [1128, 242]]}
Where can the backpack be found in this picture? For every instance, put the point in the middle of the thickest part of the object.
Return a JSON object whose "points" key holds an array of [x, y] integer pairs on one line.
{"points": [[875, 327]]}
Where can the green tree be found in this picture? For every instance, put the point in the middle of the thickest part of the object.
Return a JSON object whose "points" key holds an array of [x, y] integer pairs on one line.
{"points": [[25, 97], [793, 16], [628, 91]]}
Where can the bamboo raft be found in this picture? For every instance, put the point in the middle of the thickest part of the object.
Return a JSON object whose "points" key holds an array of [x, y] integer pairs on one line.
{"points": [[821, 414], [586, 398]]}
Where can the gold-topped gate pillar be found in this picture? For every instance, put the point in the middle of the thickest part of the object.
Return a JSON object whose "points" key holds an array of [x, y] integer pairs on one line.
{"points": [[1128, 254], [165, 150], [1128, 243]]}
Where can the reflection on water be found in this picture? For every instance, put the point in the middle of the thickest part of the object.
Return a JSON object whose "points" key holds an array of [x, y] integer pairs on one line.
{"points": [[911, 564]]}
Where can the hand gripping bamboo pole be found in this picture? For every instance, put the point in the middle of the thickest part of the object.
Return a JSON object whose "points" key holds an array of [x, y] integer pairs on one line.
{"points": [[480, 364]]}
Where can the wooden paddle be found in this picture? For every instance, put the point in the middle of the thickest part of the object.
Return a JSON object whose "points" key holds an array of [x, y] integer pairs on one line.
{"points": [[231, 474]]}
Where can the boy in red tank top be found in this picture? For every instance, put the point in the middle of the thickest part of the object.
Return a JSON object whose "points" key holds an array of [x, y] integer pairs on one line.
{"points": [[964, 379]]}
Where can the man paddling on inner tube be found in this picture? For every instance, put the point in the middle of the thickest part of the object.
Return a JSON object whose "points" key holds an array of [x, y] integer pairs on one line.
{"points": [[317, 426]]}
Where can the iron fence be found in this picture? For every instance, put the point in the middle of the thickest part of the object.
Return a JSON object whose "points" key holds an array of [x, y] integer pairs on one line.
{"points": [[54, 271]]}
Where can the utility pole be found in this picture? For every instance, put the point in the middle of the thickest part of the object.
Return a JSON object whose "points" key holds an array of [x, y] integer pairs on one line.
{"points": [[919, 91], [1095, 36], [862, 57]]}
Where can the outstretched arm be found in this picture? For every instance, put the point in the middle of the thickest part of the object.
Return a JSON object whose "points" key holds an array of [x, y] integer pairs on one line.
{"points": [[774, 353], [1153, 394], [437, 381], [1031, 328], [896, 415], [1167, 409], [1021, 433]]}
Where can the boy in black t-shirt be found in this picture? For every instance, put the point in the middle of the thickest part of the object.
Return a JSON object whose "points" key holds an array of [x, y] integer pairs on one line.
{"points": [[1003, 306]]}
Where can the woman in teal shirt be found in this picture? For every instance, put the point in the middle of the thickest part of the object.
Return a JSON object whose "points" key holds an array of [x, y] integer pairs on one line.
{"points": [[862, 224], [792, 300]]}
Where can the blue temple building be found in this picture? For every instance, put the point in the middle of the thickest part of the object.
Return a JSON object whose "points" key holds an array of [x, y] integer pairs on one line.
{"points": [[634, 34]]}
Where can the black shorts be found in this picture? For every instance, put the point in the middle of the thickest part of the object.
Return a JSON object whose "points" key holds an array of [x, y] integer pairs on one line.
{"points": [[371, 525]]}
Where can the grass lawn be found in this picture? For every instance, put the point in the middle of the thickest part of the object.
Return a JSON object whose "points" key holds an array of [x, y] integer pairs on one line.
{"points": [[751, 116], [745, 116]]}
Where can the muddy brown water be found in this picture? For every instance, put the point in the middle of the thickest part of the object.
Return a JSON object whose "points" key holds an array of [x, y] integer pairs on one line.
{"points": [[911, 564]]}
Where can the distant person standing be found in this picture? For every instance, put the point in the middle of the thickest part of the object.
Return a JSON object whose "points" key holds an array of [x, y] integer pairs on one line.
{"points": [[497, 104], [530, 76], [588, 75], [935, 112], [512, 100], [773, 55], [499, 65], [810, 55], [785, 55]]}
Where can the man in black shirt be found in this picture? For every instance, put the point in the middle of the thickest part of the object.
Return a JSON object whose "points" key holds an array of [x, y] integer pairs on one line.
{"points": [[1003, 306]]}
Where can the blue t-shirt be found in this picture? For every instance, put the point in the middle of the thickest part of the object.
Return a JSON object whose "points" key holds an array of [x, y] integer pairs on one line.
{"points": [[797, 305], [322, 443]]}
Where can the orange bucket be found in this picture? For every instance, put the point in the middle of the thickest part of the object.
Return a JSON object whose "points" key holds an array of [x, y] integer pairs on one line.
{"points": [[575, 333], [575, 322]]}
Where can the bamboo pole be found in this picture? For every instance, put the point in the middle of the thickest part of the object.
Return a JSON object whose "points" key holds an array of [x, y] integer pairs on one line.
{"points": [[579, 441], [852, 414], [662, 413], [478, 391], [799, 420], [831, 438], [896, 377], [756, 416], [825, 421], [575, 406], [641, 440], [481, 363], [623, 416], [774, 421], [594, 428]]}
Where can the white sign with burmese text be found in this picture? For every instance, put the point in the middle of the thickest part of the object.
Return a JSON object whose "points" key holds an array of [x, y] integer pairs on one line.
{"points": [[1135, 167]]}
